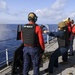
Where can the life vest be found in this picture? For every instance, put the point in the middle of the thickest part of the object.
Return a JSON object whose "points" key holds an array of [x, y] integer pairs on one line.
{"points": [[63, 40], [30, 38], [73, 29]]}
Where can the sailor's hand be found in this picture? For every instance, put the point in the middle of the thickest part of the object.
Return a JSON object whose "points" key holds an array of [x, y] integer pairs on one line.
{"points": [[45, 31]]}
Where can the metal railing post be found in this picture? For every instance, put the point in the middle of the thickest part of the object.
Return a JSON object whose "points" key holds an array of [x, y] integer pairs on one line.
{"points": [[48, 37], [7, 62]]}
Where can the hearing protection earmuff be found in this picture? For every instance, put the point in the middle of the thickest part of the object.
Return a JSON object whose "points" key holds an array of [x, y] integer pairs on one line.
{"points": [[32, 16]]}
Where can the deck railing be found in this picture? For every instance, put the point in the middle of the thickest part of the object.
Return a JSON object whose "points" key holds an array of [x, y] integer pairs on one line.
{"points": [[7, 59]]}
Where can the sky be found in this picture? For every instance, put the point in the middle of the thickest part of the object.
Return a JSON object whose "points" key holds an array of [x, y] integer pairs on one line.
{"points": [[48, 11]]}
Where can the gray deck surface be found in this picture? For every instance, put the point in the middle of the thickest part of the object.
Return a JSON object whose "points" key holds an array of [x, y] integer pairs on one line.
{"points": [[63, 69]]}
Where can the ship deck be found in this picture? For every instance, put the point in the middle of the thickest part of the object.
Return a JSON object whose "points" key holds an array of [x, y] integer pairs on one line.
{"points": [[63, 69]]}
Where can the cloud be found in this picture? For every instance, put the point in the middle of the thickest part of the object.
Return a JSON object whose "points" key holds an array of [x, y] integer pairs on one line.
{"points": [[59, 4], [54, 12], [12, 17], [3, 6], [4, 10], [72, 15]]}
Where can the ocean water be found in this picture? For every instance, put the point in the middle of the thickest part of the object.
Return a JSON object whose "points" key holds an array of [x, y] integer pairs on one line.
{"points": [[8, 35]]}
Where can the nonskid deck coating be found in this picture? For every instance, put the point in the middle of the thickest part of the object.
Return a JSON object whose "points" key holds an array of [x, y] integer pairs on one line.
{"points": [[63, 69]]}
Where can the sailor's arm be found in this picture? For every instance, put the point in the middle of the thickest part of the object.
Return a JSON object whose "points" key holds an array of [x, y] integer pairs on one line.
{"points": [[41, 39], [54, 34]]}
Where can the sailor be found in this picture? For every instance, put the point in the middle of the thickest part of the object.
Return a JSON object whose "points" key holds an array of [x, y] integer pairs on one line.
{"points": [[61, 35], [72, 37], [34, 44]]}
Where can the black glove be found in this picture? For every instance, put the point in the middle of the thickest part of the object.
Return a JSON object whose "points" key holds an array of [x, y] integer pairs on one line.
{"points": [[42, 51]]}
